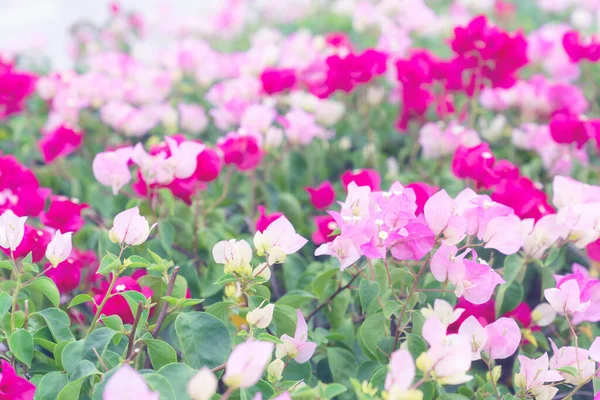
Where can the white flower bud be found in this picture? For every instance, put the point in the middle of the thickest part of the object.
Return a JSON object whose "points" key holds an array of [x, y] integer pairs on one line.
{"points": [[275, 371], [203, 385], [261, 317]]}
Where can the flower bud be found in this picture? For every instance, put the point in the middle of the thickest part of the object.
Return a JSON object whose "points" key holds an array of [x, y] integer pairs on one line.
{"points": [[261, 243], [263, 271], [261, 317], [59, 248], [203, 385], [277, 255], [232, 290], [12, 230], [130, 228], [286, 348], [275, 371]]}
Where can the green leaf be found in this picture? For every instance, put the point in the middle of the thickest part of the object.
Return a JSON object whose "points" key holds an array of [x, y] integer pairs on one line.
{"points": [[21, 344], [204, 339], [7, 265], [265, 337], [50, 385], [367, 291], [453, 396], [48, 288], [83, 370], [569, 370], [416, 345], [342, 364], [109, 263], [295, 299], [321, 281], [71, 355], [99, 340], [161, 385], [285, 320], [5, 303], [166, 232], [508, 298], [58, 322], [225, 279], [552, 255], [113, 322], [370, 334], [161, 353], [80, 299], [512, 267], [58, 349], [179, 375]]}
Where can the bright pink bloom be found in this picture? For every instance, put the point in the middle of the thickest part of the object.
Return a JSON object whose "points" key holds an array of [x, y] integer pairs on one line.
{"points": [[19, 189], [67, 274], [277, 80], [567, 129], [117, 305], [246, 364], [578, 50], [364, 177], [64, 214], [423, 191], [475, 163], [127, 383], [14, 387], [321, 196], [523, 197], [241, 150], [484, 313], [209, 164], [264, 219], [298, 347], [326, 225], [15, 87], [61, 142], [413, 243], [522, 313], [593, 250]]}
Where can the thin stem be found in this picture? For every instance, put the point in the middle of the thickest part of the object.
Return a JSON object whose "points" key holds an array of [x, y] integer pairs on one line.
{"points": [[581, 384], [38, 275], [227, 394], [572, 328], [340, 290], [14, 303], [165, 306], [136, 321], [218, 368], [100, 359], [492, 377], [103, 302], [223, 195]]}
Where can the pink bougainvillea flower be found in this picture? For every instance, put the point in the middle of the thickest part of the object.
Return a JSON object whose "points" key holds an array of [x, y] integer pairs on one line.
{"points": [[264, 219], [209, 164], [478, 283], [442, 216], [578, 50], [524, 197], [278, 240], [566, 297], [34, 241], [242, 151], [111, 168], [130, 228], [423, 191], [297, 347], [446, 265], [401, 372], [595, 350], [442, 311], [571, 356], [477, 335], [277, 80], [342, 248], [127, 383], [19, 188], [246, 364], [475, 163], [59, 248], [364, 177], [503, 338], [61, 142], [534, 374], [15, 88], [593, 250], [12, 386], [412, 242], [326, 225], [183, 158], [566, 129], [485, 313], [192, 118], [64, 214], [504, 234], [117, 305], [12, 230], [67, 274], [321, 196]]}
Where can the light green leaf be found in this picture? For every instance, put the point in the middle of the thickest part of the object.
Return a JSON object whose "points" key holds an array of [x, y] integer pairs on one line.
{"points": [[80, 299], [161, 353], [109, 263], [204, 339], [367, 291], [21, 344], [48, 288]]}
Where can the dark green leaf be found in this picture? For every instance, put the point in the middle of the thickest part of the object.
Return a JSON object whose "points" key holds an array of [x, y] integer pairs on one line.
{"points": [[48, 288], [21, 344], [368, 291], [161, 353], [204, 339]]}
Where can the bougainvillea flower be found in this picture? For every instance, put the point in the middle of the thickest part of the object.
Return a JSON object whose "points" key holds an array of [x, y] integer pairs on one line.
{"points": [[423, 191], [571, 356], [264, 219], [209, 164], [117, 305], [441, 214], [341, 248], [401, 372], [503, 338], [578, 50], [59, 248], [277, 80], [127, 383], [64, 214], [15, 88], [364, 177], [19, 188], [479, 282], [12, 386], [242, 151], [475, 163], [534, 374], [203, 385], [192, 118], [12, 230], [415, 240], [235, 255], [566, 297], [321, 196], [442, 311], [504, 234], [34, 241], [61, 142], [246, 363], [111, 168], [297, 347], [278, 240], [130, 228], [326, 225]]}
